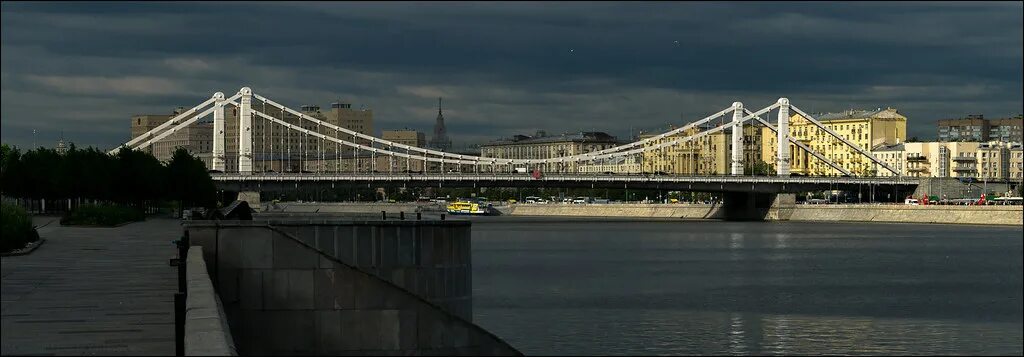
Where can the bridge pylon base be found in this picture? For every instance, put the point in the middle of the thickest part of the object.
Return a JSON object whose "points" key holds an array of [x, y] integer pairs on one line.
{"points": [[754, 206]]}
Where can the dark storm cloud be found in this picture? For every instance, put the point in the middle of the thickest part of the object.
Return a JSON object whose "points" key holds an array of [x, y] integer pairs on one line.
{"points": [[505, 67]]}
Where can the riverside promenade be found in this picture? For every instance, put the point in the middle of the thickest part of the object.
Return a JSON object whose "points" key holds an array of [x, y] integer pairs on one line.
{"points": [[92, 291]]}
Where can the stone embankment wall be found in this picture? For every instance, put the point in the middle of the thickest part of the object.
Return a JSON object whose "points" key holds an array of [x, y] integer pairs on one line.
{"points": [[989, 215], [333, 287], [206, 327], [994, 215], [688, 211]]}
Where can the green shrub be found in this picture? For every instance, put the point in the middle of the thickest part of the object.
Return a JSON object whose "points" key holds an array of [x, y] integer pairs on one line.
{"points": [[102, 215], [16, 228]]}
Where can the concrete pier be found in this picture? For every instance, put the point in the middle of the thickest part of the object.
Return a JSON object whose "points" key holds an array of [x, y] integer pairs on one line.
{"points": [[329, 287]]}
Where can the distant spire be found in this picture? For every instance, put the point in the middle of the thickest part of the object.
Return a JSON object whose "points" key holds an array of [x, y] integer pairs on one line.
{"points": [[440, 140]]}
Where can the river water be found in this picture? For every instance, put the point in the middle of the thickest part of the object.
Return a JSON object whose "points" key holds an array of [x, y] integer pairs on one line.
{"points": [[584, 287]]}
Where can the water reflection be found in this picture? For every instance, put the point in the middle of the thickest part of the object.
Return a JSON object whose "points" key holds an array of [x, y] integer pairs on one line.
{"points": [[642, 288]]}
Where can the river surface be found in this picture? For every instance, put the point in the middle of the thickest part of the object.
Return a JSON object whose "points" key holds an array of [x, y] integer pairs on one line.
{"points": [[584, 287]]}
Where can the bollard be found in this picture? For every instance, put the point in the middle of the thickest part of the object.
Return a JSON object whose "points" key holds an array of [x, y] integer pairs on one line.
{"points": [[383, 215], [419, 216], [442, 216], [401, 215]]}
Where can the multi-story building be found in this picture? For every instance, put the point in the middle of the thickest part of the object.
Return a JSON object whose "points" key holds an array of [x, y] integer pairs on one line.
{"points": [[279, 149], [1016, 158], [405, 136], [707, 155], [976, 128], [542, 146], [990, 161], [358, 120], [274, 147], [868, 129], [993, 160], [618, 165], [362, 162], [196, 138], [1006, 130]]}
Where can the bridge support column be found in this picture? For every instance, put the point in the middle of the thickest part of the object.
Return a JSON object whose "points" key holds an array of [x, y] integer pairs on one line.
{"points": [[245, 132], [218, 132], [783, 156], [737, 139], [755, 206]]}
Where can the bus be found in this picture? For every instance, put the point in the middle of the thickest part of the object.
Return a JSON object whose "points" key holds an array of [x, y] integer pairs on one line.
{"points": [[1014, 201]]}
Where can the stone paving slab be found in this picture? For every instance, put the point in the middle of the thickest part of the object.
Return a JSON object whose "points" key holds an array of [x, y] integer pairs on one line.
{"points": [[91, 291]]}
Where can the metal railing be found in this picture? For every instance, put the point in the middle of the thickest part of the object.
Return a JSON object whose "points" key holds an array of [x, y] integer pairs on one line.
{"points": [[561, 178]]}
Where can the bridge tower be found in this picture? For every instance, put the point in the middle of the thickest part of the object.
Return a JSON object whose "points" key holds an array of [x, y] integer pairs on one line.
{"points": [[218, 132], [245, 132], [737, 139], [783, 157]]}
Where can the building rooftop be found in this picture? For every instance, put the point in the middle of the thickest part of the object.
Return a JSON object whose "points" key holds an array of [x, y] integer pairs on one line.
{"points": [[895, 147], [541, 138], [851, 114]]}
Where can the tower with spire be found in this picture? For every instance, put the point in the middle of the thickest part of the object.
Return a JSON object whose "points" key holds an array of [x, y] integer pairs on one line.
{"points": [[62, 147], [440, 141]]}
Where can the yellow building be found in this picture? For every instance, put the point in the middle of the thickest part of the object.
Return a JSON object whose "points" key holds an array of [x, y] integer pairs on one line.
{"points": [[618, 165], [708, 155], [867, 129], [991, 161], [1016, 158], [939, 159]]}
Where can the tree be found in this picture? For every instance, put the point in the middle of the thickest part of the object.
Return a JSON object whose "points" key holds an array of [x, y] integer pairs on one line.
{"points": [[759, 168], [10, 159], [188, 181]]}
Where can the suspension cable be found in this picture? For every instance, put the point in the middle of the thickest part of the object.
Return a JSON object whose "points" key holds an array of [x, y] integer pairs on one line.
{"points": [[319, 149], [271, 144], [263, 144], [301, 138], [286, 147], [337, 152]]}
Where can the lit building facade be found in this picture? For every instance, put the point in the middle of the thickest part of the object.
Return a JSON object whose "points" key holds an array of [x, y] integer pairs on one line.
{"points": [[867, 129], [542, 146]]}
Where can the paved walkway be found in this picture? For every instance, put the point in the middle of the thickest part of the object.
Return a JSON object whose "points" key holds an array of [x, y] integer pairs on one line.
{"points": [[91, 291]]}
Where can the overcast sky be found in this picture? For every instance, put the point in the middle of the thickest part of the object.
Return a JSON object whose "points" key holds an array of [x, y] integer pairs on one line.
{"points": [[503, 68]]}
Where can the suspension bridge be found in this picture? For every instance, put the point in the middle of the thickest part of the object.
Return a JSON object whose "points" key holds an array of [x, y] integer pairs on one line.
{"points": [[278, 156]]}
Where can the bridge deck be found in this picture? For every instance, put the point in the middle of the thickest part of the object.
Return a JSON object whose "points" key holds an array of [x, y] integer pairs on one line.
{"points": [[696, 183]]}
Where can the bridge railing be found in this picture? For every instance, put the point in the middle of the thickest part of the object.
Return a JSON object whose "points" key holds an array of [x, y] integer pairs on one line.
{"points": [[554, 177]]}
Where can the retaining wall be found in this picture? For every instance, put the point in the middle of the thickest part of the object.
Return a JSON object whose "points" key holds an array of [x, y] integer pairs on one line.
{"points": [[206, 327], [993, 215], [689, 211], [332, 287]]}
